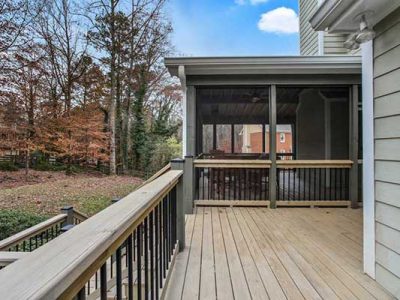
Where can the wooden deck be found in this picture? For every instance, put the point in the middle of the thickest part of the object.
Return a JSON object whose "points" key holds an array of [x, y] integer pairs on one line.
{"points": [[286, 253]]}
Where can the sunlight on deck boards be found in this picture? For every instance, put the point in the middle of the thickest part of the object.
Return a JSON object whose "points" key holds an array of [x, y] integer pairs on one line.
{"points": [[286, 253]]}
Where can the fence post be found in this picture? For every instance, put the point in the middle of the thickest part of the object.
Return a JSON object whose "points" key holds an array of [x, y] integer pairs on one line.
{"points": [[69, 211], [178, 164]]}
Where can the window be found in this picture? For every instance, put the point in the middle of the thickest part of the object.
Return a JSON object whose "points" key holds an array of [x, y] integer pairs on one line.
{"points": [[282, 137]]}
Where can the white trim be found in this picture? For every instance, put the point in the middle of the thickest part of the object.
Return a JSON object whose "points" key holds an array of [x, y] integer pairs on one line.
{"points": [[321, 41], [368, 158], [182, 78]]}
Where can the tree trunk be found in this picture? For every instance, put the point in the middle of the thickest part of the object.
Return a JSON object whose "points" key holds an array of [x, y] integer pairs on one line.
{"points": [[27, 158], [113, 167]]}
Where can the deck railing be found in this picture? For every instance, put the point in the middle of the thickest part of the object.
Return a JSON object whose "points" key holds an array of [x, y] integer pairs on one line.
{"points": [[40, 234], [231, 181], [316, 182], [125, 250], [247, 182]]}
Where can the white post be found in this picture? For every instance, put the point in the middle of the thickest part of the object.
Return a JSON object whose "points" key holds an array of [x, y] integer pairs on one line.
{"points": [[368, 158]]}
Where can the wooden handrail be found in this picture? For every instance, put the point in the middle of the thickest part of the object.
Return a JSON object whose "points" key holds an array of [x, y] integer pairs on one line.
{"points": [[232, 163], [160, 172], [80, 216], [8, 257], [338, 164], [61, 267], [31, 232]]}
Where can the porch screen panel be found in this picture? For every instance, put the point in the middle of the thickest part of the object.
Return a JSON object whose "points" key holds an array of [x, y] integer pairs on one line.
{"points": [[312, 126], [208, 132]]}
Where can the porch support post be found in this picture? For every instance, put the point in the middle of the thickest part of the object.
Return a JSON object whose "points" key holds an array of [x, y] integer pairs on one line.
{"points": [[188, 178], [263, 138], [353, 189], [190, 120], [232, 138], [178, 164], [214, 136], [188, 184], [272, 146]]}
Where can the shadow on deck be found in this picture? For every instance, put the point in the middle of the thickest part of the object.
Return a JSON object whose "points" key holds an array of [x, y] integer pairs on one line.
{"points": [[259, 253]]}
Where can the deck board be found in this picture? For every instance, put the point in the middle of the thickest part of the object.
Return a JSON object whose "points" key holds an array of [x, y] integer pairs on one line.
{"points": [[260, 253]]}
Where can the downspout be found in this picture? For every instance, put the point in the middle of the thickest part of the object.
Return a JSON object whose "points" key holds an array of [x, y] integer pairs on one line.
{"points": [[368, 159]]}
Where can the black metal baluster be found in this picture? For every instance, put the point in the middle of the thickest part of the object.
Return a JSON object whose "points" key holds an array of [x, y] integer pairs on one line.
{"points": [[95, 281], [139, 260], [156, 247], [165, 251], [103, 282], [82, 294], [151, 246], [129, 255], [161, 242], [146, 258], [118, 264]]}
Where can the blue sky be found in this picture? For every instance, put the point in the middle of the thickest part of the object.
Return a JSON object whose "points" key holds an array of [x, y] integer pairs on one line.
{"points": [[234, 27]]}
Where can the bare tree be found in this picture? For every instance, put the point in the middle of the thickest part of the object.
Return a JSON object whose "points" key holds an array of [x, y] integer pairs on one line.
{"points": [[65, 44]]}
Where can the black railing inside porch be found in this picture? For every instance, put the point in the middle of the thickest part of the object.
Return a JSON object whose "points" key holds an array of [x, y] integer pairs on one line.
{"points": [[296, 180], [232, 183]]}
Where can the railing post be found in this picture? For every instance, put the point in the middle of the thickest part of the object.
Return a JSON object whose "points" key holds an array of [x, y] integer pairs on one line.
{"points": [[272, 146], [178, 164], [69, 211]]}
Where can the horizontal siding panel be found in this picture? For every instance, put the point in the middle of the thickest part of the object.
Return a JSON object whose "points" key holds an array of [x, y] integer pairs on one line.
{"points": [[387, 105], [330, 38], [387, 84], [388, 215], [388, 193], [335, 51], [388, 280], [387, 171], [387, 149], [387, 62], [389, 39], [388, 259], [388, 127], [388, 237]]}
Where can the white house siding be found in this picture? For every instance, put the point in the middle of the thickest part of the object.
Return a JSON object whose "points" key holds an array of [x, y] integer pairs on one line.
{"points": [[308, 36], [387, 151], [333, 44]]}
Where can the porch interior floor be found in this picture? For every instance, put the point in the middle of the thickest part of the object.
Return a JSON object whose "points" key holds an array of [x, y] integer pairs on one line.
{"points": [[260, 253]]}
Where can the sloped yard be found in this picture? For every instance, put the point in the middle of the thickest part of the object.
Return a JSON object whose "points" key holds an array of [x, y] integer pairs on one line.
{"points": [[46, 192]]}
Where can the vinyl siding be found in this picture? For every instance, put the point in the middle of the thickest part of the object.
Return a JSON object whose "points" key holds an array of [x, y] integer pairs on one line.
{"points": [[308, 37], [333, 44], [387, 151]]}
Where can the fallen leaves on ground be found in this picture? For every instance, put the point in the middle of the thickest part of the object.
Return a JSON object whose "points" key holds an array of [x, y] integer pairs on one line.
{"points": [[53, 190]]}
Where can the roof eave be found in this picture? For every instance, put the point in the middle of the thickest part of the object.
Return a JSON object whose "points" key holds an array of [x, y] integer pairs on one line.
{"points": [[328, 12], [265, 65]]}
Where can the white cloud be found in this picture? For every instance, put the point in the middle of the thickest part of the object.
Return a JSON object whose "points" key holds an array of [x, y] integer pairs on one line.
{"points": [[252, 2], [280, 20]]}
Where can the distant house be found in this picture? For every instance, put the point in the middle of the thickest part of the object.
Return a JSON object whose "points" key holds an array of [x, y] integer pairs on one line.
{"points": [[253, 139]]}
